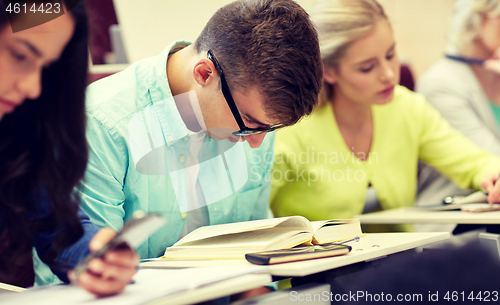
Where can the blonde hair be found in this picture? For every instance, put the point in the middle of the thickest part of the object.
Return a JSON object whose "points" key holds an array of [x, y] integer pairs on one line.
{"points": [[339, 23], [467, 19]]}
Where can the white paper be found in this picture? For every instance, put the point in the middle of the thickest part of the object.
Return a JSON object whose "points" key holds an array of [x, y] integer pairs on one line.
{"points": [[149, 284]]}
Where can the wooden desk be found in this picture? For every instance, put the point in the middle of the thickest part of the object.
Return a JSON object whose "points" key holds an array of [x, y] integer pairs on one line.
{"points": [[370, 247], [415, 215]]}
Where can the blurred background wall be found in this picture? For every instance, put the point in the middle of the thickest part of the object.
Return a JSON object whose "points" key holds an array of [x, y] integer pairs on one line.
{"points": [[148, 26]]}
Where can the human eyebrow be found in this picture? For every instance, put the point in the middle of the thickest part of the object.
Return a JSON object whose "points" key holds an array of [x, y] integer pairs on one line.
{"points": [[252, 120], [30, 46], [374, 59], [366, 61], [391, 48]]}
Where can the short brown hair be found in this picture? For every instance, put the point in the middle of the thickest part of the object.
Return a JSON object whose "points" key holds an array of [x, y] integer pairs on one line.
{"points": [[270, 44]]}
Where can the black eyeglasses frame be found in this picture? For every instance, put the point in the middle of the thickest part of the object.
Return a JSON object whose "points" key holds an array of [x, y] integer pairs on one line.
{"points": [[244, 130]]}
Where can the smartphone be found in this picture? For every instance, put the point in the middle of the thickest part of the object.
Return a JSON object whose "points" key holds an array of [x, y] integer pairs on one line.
{"points": [[133, 234], [297, 254]]}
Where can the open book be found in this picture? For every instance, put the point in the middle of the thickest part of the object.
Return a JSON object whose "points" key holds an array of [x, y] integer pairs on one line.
{"points": [[475, 202], [234, 240]]}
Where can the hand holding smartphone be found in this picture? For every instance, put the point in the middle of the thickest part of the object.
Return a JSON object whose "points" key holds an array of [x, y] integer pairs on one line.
{"points": [[132, 235]]}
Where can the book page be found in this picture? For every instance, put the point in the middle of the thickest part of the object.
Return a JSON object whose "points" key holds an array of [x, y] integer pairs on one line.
{"points": [[10, 288], [336, 230], [480, 207], [477, 197], [235, 246], [245, 239], [316, 225], [459, 202], [296, 222], [238, 227], [259, 238]]}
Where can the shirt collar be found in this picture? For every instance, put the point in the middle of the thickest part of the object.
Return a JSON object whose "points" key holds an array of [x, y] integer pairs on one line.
{"points": [[172, 125]]}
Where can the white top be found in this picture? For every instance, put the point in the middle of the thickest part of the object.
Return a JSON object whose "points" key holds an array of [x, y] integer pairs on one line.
{"points": [[197, 206], [453, 89]]}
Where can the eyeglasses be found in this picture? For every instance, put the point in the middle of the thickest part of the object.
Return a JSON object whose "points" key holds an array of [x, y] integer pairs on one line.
{"points": [[244, 130]]}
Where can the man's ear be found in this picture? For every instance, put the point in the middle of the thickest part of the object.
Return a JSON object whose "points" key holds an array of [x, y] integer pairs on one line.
{"points": [[204, 72], [330, 74]]}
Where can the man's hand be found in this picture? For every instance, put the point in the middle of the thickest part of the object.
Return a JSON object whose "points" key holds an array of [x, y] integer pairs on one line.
{"points": [[110, 274]]}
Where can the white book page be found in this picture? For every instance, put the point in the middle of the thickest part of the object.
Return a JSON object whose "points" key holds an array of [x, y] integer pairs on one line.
{"points": [[316, 225], [260, 238], [476, 197], [238, 227], [10, 288], [336, 230]]}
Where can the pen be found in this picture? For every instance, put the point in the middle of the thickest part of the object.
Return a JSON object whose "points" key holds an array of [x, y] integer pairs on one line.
{"points": [[467, 60], [340, 243], [354, 239]]}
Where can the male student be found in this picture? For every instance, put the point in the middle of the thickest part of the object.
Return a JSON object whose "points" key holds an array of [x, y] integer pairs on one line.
{"points": [[187, 134]]}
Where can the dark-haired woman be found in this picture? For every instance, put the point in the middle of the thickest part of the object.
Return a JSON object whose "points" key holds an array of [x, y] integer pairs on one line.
{"points": [[43, 155]]}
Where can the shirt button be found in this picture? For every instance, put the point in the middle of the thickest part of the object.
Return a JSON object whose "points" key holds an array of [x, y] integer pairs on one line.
{"points": [[186, 138], [181, 159], [183, 215], [170, 138]]}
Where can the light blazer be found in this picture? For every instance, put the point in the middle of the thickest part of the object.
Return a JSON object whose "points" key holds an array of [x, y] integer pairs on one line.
{"points": [[453, 89]]}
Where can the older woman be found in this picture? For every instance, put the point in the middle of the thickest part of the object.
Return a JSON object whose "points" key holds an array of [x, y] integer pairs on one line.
{"points": [[463, 89]]}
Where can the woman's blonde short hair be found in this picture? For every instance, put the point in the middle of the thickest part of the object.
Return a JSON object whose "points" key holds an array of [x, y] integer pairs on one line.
{"points": [[339, 23], [467, 19]]}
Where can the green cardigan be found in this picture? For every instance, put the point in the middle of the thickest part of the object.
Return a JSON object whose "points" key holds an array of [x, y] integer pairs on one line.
{"points": [[316, 175]]}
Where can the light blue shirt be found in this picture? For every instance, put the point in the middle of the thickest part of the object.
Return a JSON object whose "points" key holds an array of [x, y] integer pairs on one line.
{"points": [[138, 147]]}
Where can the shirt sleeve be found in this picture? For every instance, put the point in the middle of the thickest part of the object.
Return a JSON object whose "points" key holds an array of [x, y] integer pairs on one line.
{"points": [[102, 188], [454, 104], [69, 257], [450, 152]]}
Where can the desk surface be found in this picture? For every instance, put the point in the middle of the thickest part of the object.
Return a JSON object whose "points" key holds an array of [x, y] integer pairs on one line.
{"points": [[216, 290], [370, 247], [187, 286], [416, 215]]}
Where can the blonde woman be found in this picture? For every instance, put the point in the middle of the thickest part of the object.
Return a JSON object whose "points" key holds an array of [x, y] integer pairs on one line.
{"points": [[465, 90], [359, 151]]}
